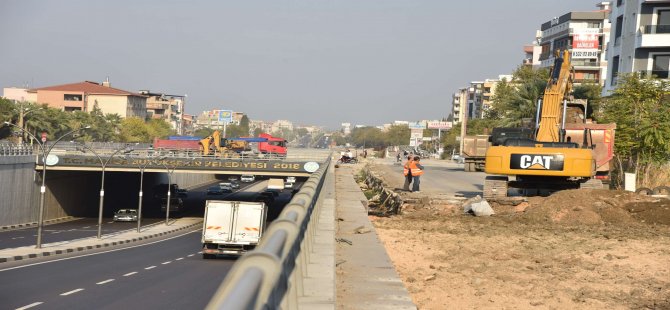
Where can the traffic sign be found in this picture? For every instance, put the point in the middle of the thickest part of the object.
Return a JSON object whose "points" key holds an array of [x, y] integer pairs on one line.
{"points": [[44, 137]]}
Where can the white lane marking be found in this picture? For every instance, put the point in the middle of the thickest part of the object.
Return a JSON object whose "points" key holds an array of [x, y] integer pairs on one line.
{"points": [[165, 263], [130, 274], [17, 238], [110, 222], [86, 227], [73, 229], [150, 267], [72, 292], [200, 252], [190, 255], [30, 305], [98, 253], [56, 232], [179, 258], [104, 282]]}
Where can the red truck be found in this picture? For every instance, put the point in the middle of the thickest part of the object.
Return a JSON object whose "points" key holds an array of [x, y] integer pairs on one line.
{"points": [[273, 145]]}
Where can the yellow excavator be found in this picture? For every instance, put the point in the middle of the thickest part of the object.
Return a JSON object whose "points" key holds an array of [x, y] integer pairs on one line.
{"points": [[549, 161], [222, 147]]}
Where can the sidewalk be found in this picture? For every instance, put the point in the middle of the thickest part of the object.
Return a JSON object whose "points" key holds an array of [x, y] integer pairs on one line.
{"points": [[123, 237], [365, 276]]}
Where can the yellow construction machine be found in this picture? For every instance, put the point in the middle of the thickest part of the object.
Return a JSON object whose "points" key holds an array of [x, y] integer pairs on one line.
{"points": [[222, 147], [547, 160]]}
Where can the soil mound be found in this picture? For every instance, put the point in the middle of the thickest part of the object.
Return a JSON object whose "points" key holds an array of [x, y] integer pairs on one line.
{"points": [[591, 207]]}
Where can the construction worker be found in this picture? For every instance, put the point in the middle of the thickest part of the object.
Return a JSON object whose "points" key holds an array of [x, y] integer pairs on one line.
{"points": [[416, 169], [407, 171]]}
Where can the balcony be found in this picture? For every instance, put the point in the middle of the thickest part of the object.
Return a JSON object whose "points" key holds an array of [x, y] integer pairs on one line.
{"points": [[654, 36], [586, 64]]}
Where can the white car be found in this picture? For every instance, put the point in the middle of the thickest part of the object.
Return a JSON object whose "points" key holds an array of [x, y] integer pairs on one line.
{"points": [[247, 178], [125, 215]]}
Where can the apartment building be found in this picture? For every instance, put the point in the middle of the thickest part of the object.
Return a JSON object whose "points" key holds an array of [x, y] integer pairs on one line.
{"points": [[215, 119], [166, 107], [585, 35], [458, 105], [641, 40], [533, 51], [85, 96]]}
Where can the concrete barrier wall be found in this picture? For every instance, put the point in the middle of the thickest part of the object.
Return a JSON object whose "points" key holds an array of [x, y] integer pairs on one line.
{"points": [[18, 190]]}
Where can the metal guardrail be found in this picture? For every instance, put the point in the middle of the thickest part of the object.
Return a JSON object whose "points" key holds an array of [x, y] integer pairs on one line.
{"points": [[260, 279], [13, 149]]}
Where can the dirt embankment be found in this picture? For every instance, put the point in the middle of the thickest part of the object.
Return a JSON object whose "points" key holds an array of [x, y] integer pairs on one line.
{"points": [[577, 249]]}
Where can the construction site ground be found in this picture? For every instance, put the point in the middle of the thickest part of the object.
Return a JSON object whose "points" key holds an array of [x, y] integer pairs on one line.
{"points": [[575, 249]]}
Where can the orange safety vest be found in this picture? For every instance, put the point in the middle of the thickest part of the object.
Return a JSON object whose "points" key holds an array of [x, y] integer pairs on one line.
{"points": [[416, 171], [407, 167]]}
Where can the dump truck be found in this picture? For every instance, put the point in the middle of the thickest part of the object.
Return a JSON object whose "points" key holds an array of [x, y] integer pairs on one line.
{"points": [[232, 228], [474, 152]]}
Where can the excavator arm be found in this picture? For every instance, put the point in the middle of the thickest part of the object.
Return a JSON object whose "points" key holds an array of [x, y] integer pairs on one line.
{"points": [[558, 88]]}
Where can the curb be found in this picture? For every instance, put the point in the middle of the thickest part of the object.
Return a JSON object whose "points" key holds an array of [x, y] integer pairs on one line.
{"points": [[92, 247], [26, 225]]}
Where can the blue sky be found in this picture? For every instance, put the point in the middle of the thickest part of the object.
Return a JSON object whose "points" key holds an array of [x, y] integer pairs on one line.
{"points": [[312, 62]]}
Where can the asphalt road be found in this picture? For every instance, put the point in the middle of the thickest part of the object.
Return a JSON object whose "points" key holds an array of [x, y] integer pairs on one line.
{"points": [[442, 176], [165, 274]]}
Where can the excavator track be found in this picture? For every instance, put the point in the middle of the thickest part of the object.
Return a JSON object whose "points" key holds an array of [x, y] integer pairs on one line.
{"points": [[591, 184], [495, 187]]}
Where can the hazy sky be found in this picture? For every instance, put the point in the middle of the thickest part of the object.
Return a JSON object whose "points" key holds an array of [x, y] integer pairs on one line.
{"points": [[320, 62]]}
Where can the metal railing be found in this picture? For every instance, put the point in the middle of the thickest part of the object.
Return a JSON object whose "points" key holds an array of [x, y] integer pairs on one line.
{"points": [[13, 149], [260, 279], [652, 29]]}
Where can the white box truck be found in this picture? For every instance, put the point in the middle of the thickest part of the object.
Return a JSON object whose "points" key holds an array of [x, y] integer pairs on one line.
{"points": [[232, 227]]}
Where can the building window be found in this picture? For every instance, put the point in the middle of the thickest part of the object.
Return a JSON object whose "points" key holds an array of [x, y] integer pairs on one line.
{"points": [[71, 109], [619, 2], [663, 21], [615, 70], [72, 97], [618, 29], [660, 66]]}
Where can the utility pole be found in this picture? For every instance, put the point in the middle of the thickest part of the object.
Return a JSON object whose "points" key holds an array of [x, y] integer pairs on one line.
{"points": [[464, 128]]}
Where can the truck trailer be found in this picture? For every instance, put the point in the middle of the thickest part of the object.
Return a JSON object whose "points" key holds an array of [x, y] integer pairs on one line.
{"points": [[232, 227]]}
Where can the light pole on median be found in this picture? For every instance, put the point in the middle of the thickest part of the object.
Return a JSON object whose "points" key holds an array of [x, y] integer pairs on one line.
{"points": [[45, 154], [102, 181], [139, 204], [169, 190]]}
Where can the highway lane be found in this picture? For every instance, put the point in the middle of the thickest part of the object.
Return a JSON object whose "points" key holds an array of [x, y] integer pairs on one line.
{"points": [[442, 176], [166, 274], [71, 230]]}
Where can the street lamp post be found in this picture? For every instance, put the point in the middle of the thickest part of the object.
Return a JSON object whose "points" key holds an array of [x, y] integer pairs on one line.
{"points": [[102, 181], [23, 112], [169, 190], [139, 204], [45, 153]]}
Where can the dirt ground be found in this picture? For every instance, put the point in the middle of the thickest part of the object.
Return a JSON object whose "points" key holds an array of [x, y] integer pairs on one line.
{"points": [[576, 249]]}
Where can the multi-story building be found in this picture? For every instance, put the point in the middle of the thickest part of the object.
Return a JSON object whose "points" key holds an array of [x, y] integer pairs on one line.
{"points": [[458, 105], [262, 125], [346, 128], [533, 51], [279, 125], [489, 90], [215, 119], [19, 94], [474, 100], [85, 96], [584, 34], [641, 40], [166, 107]]}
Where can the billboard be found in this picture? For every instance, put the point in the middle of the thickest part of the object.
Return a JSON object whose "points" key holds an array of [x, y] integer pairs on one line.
{"points": [[584, 39], [417, 125], [439, 125], [225, 116]]}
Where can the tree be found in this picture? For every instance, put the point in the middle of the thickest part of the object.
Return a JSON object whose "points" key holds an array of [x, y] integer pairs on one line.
{"points": [[244, 125], [203, 132], [134, 129], [590, 92], [397, 135], [641, 109], [159, 128]]}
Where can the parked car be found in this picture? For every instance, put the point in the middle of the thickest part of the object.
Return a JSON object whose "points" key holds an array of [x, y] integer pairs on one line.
{"points": [[182, 193], [125, 215], [247, 178], [215, 190]]}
